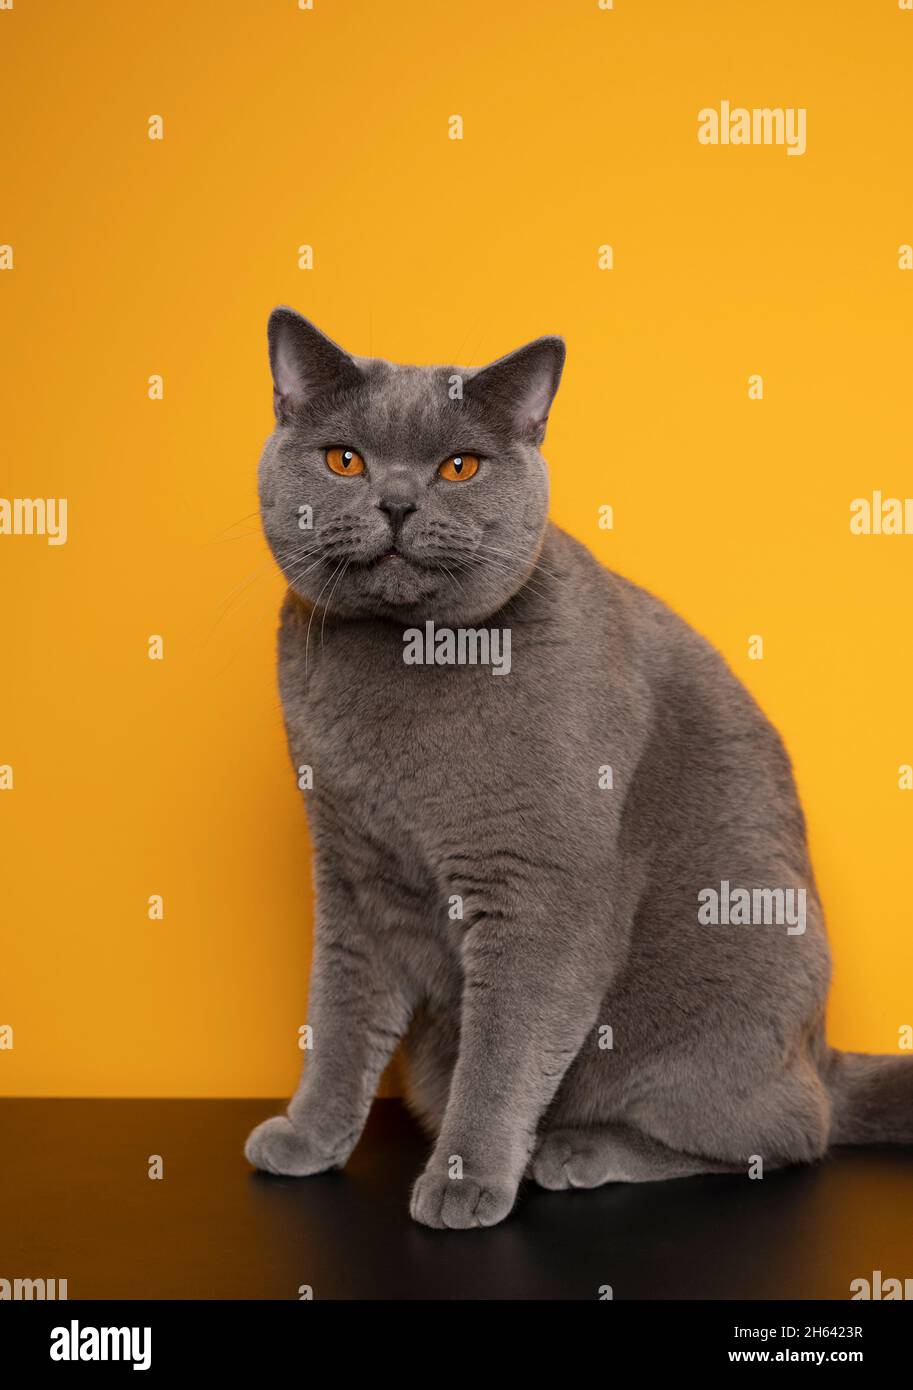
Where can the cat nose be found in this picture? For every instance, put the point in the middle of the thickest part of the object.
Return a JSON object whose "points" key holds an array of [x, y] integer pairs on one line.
{"points": [[397, 512]]}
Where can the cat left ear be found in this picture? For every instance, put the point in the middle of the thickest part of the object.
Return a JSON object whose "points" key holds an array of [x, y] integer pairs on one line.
{"points": [[304, 362], [523, 384]]}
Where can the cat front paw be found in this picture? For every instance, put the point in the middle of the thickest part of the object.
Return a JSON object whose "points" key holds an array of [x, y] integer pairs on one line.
{"points": [[460, 1204], [554, 1163], [565, 1160], [275, 1146]]}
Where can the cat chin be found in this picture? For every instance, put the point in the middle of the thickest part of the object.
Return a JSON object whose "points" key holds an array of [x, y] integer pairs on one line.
{"points": [[409, 611], [401, 590], [393, 588], [395, 580]]}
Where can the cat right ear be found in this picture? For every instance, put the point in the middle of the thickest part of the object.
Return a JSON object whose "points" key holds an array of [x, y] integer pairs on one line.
{"points": [[304, 362], [524, 384]]}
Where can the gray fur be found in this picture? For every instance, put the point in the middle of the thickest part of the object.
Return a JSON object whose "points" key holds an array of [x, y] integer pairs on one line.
{"points": [[580, 903]]}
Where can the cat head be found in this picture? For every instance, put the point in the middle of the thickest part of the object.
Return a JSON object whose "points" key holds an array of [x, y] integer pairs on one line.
{"points": [[405, 492]]}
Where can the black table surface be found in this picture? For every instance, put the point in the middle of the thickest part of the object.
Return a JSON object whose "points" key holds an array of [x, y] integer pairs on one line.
{"points": [[77, 1202]]}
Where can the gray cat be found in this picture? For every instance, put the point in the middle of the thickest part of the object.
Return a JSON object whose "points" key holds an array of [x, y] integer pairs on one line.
{"points": [[577, 891]]}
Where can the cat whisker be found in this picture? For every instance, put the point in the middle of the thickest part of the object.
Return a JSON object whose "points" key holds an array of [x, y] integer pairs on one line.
{"points": [[295, 576], [495, 550], [230, 527], [314, 607], [326, 606], [481, 562], [451, 576], [232, 599]]}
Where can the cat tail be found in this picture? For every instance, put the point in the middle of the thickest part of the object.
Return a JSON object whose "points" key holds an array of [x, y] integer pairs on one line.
{"points": [[871, 1097]]}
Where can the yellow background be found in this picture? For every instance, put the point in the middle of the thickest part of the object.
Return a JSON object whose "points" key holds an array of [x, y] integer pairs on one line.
{"points": [[329, 127]]}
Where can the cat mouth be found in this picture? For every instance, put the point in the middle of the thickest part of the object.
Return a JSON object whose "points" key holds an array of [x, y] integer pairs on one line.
{"points": [[392, 561], [393, 557]]}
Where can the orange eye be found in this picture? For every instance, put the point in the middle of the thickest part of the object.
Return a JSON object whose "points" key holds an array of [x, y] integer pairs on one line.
{"points": [[345, 462], [459, 467]]}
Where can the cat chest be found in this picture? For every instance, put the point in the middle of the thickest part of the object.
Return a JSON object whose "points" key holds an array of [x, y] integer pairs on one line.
{"points": [[366, 721]]}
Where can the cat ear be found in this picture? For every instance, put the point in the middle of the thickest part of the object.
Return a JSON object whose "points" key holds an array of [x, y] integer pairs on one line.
{"points": [[304, 362], [523, 384]]}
